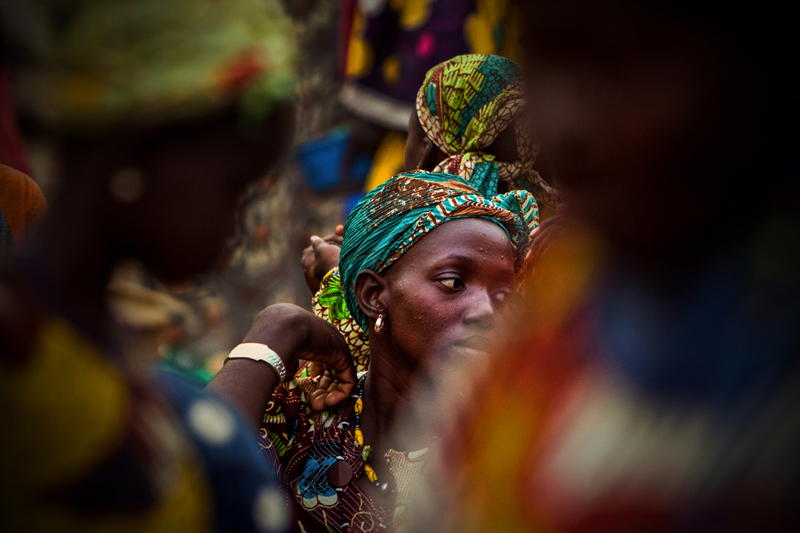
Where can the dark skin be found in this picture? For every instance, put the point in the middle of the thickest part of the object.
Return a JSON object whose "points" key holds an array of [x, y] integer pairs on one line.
{"points": [[294, 334], [319, 258], [192, 175], [444, 298]]}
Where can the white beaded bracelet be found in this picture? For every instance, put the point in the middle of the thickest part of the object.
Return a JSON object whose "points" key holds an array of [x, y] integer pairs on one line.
{"points": [[259, 352]]}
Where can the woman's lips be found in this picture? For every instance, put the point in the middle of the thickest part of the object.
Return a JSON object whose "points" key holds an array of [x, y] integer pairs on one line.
{"points": [[474, 342]]}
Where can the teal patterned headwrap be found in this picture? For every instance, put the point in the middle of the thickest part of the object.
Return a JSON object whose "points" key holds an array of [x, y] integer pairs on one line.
{"points": [[396, 215]]}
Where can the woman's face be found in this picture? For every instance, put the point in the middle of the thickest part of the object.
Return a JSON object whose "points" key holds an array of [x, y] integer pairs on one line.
{"points": [[449, 292]]}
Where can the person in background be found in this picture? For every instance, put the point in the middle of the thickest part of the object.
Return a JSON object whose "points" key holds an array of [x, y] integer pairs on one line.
{"points": [[163, 112], [469, 121], [429, 266], [654, 371], [386, 48]]}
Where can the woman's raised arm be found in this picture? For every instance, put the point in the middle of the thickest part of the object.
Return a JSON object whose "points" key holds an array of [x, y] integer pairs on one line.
{"points": [[293, 333]]}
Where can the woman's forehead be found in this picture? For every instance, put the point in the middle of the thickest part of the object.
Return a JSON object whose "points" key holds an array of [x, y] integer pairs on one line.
{"points": [[467, 238]]}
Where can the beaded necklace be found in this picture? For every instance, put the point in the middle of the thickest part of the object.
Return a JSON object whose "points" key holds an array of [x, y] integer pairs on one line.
{"points": [[372, 476], [407, 467]]}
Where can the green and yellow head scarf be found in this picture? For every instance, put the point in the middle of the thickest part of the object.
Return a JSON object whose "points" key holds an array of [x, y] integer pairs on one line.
{"points": [[107, 63], [396, 215], [463, 105]]}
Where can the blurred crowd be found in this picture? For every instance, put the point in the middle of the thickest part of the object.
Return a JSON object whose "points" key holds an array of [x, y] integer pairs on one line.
{"points": [[399, 265]]}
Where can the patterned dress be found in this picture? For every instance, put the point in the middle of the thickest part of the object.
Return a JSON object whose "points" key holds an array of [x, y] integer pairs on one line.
{"points": [[302, 444]]}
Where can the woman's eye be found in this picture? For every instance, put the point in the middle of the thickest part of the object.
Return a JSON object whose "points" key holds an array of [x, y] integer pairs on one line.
{"points": [[452, 283]]}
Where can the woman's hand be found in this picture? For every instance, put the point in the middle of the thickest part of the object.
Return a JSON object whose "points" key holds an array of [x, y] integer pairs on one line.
{"points": [[293, 333], [319, 258], [331, 361]]}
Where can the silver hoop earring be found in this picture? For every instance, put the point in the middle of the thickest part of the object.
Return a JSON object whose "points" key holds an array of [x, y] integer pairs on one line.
{"points": [[126, 185], [379, 324]]}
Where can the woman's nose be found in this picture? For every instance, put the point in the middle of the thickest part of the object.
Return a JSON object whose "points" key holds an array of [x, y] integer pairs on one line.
{"points": [[480, 311]]}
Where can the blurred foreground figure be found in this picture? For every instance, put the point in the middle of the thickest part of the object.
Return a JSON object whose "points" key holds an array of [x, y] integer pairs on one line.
{"points": [[652, 383], [164, 111]]}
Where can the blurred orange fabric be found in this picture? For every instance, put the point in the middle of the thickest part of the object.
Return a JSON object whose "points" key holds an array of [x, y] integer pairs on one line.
{"points": [[22, 201]]}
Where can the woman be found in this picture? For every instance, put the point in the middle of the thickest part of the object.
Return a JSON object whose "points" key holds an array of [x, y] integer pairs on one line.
{"points": [[428, 265], [468, 121], [162, 121]]}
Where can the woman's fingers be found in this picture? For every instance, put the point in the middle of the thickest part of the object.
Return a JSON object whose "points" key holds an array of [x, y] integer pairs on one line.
{"points": [[326, 256], [332, 389], [309, 263], [338, 381], [333, 239]]}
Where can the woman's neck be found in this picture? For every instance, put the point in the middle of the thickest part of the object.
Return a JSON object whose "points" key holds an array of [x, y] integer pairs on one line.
{"points": [[389, 393]]}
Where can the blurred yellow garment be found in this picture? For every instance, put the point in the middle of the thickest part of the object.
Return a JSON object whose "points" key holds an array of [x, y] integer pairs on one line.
{"points": [[21, 201], [388, 159], [69, 388]]}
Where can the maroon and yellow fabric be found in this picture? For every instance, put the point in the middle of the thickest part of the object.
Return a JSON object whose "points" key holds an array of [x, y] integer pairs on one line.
{"points": [[302, 444]]}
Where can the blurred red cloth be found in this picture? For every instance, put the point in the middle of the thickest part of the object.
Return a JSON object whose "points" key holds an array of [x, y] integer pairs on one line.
{"points": [[22, 202]]}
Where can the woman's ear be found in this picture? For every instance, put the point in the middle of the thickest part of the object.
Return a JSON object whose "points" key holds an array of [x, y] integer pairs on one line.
{"points": [[372, 293]]}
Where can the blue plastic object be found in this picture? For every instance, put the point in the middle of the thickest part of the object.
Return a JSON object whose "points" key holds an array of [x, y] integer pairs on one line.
{"points": [[350, 202], [321, 159]]}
